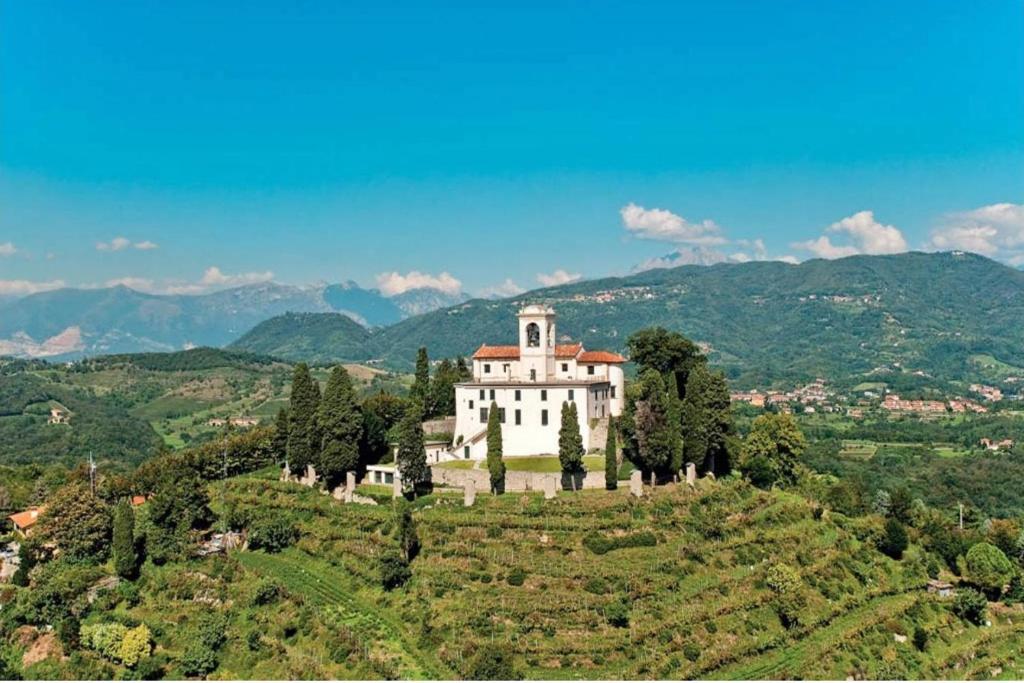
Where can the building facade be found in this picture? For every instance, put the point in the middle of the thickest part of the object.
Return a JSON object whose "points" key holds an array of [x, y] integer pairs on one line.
{"points": [[529, 382]]}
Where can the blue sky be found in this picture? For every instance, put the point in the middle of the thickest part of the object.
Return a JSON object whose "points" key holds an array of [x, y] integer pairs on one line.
{"points": [[189, 145]]}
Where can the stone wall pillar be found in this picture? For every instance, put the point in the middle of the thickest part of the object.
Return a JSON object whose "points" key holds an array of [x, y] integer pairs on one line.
{"points": [[396, 486], [469, 493], [350, 486], [550, 487], [691, 474], [636, 484]]}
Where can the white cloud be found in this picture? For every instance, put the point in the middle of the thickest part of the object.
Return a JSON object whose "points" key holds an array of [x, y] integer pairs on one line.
{"points": [[393, 283], [665, 226], [214, 277], [502, 289], [559, 277], [789, 258], [995, 230], [122, 243], [26, 287], [867, 235], [8, 249]]}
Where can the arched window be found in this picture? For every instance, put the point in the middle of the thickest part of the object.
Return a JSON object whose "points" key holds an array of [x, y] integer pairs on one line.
{"points": [[532, 335]]}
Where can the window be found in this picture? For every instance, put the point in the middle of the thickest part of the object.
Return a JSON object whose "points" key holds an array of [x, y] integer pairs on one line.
{"points": [[519, 416], [613, 391], [504, 368], [590, 369], [465, 452], [543, 394], [544, 417], [533, 335], [501, 415], [471, 404], [487, 368], [519, 395], [572, 394], [565, 367], [533, 375], [492, 394], [482, 396], [483, 415]]}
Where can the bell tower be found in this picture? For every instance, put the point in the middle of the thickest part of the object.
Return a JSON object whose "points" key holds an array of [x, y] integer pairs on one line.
{"points": [[537, 343]]}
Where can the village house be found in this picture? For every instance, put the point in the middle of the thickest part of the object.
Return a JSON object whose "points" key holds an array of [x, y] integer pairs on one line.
{"points": [[987, 392], [244, 421], [25, 522], [1005, 444], [943, 589], [59, 416], [529, 382]]}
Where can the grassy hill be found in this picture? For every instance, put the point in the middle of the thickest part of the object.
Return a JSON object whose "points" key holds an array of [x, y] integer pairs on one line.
{"points": [[951, 316], [532, 578], [310, 337]]}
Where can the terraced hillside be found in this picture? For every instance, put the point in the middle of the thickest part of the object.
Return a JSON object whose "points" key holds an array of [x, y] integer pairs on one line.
{"points": [[543, 581]]}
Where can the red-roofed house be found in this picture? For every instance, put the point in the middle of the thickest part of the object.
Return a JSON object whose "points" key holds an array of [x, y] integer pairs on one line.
{"points": [[24, 522], [529, 382]]}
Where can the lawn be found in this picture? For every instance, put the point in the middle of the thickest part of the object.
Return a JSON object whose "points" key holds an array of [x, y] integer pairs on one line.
{"points": [[549, 463]]}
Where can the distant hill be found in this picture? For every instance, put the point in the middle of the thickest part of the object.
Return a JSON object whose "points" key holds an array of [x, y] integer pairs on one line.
{"points": [[312, 337], [72, 323], [934, 314]]}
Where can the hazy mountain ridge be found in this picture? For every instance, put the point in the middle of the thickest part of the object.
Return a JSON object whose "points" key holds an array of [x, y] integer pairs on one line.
{"points": [[914, 312]]}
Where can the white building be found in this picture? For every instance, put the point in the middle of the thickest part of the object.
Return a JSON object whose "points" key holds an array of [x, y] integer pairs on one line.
{"points": [[529, 382]]}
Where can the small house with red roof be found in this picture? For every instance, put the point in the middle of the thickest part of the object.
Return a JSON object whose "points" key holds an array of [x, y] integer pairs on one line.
{"points": [[528, 382], [25, 522]]}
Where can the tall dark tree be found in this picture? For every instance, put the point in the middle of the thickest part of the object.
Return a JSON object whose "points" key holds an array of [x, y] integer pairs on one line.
{"points": [[420, 390], [279, 443], [655, 348], [674, 420], [302, 429], [651, 442], [707, 420], [373, 444], [570, 443], [772, 450], [411, 458], [442, 389], [611, 460], [408, 539], [341, 426], [462, 369], [126, 557], [495, 465]]}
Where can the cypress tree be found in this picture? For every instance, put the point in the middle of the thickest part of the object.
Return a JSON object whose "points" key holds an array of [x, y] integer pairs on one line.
{"points": [[611, 461], [707, 420], [302, 431], [674, 425], [442, 389], [495, 465], [570, 443], [279, 443], [126, 559], [341, 425], [462, 370], [420, 390], [651, 439], [411, 458]]}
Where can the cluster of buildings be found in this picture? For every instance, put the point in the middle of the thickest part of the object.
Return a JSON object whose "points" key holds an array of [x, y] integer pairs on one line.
{"points": [[244, 421], [1001, 445], [813, 397], [987, 392], [894, 404]]}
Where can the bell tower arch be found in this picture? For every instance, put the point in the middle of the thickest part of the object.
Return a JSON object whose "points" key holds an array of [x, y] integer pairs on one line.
{"points": [[537, 342]]}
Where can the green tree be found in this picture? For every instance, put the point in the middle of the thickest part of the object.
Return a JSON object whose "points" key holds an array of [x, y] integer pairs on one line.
{"points": [[272, 532], [787, 587], [970, 605], [279, 442], [411, 458], [570, 443], [78, 523], [394, 570], [495, 465], [126, 558], [988, 568], [894, 541], [611, 459], [493, 663], [774, 441], [462, 370], [420, 390], [655, 348], [408, 538], [442, 389], [341, 427], [707, 420], [651, 441], [673, 419], [302, 430]]}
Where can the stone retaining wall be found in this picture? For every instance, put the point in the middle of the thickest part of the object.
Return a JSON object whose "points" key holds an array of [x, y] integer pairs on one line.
{"points": [[514, 481]]}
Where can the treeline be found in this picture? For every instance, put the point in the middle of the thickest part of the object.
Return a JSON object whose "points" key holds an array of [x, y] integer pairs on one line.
{"points": [[202, 358]]}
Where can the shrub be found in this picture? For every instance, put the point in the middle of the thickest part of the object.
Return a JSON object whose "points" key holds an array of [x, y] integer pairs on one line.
{"points": [[394, 571], [198, 660], [493, 663], [894, 541], [137, 645], [600, 544], [920, 638], [272, 533], [617, 614], [970, 605], [516, 577], [691, 651], [596, 585], [265, 592]]}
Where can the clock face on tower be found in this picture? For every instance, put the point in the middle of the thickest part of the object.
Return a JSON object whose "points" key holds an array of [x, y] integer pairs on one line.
{"points": [[533, 335]]}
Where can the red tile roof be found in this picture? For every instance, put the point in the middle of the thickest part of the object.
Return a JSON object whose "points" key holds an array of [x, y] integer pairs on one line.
{"points": [[505, 352], [600, 357], [26, 519], [138, 500], [567, 350]]}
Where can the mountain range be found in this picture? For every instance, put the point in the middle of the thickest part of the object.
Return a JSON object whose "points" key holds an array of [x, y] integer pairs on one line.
{"points": [[949, 316], [70, 323]]}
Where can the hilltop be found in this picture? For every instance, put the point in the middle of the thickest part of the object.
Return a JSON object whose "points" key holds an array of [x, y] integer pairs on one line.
{"points": [[944, 315]]}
